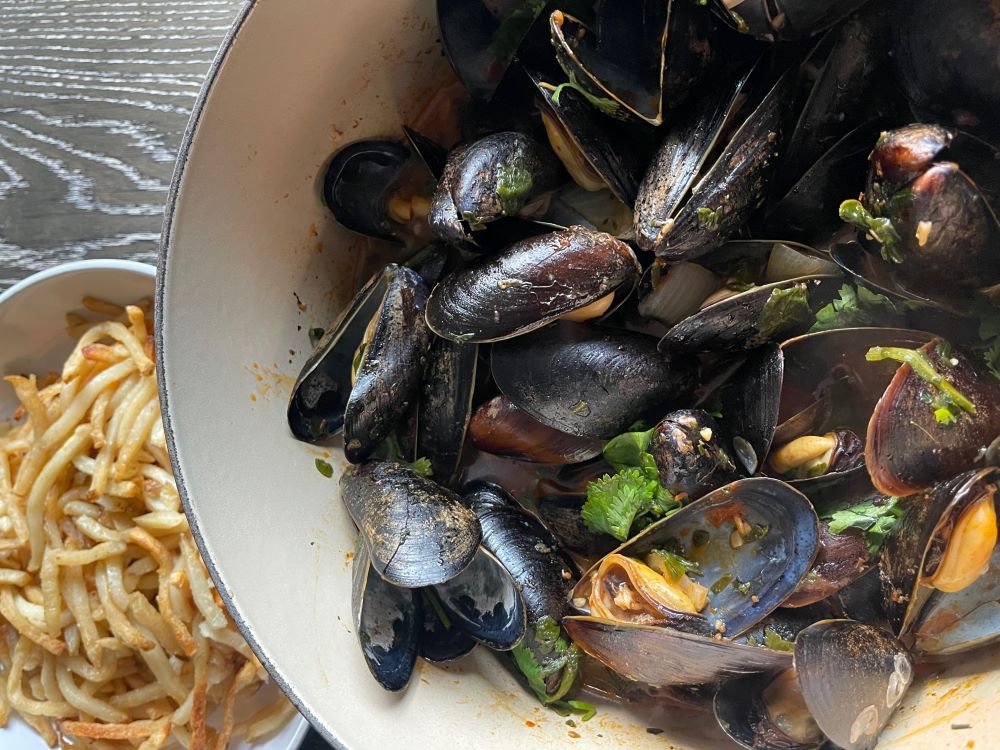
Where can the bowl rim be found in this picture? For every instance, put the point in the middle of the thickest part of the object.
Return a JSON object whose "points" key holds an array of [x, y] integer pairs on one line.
{"points": [[163, 259], [88, 264]]}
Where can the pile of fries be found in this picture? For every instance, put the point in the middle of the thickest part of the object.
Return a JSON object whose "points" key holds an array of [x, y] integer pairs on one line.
{"points": [[111, 634]]}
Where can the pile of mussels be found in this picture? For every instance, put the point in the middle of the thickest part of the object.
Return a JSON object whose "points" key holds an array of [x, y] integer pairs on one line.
{"points": [[714, 282]]}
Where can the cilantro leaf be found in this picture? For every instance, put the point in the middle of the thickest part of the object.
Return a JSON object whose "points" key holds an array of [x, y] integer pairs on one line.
{"points": [[774, 641], [615, 502], [627, 449], [324, 468], [551, 664], [856, 307], [784, 309], [876, 517], [421, 466]]}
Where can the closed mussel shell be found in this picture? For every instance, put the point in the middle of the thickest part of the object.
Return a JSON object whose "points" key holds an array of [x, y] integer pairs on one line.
{"points": [[754, 714], [691, 454], [446, 405], [388, 621], [852, 677], [589, 382], [485, 603], [530, 284], [753, 541], [417, 532]]}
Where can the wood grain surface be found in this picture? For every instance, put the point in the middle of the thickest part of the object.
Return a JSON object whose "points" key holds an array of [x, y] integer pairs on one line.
{"points": [[94, 99]]}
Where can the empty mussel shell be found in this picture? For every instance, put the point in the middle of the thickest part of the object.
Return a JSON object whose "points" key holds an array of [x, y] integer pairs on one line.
{"points": [[532, 283], [388, 621], [500, 428], [589, 382], [417, 532], [916, 439], [661, 656], [441, 640], [852, 677], [366, 369], [753, 541]]}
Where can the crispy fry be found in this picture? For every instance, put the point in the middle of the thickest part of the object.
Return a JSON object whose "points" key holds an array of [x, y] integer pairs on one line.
{"points": [[103, 307]]}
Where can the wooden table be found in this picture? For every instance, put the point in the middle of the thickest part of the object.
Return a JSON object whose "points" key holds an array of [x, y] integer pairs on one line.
{"points": [[94, 99]]}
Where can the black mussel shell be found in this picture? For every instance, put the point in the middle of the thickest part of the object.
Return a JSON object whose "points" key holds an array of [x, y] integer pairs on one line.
{"points": [[324, 400], [946, 56], [357, 182], [430, 152], [542, 573], [561, 515], [786, 20], [747, 716], [530, 284], [485, 603], [749, 574], [500, 428], [630, 63], [489, 179], [589, 382], [840, 560], [446, 406], [691, 454], [417, 532], [852, 677], [914, 552], [661, 656], [441, 640], [760, 315], [750, 403], [388, 621], [910, 443]]}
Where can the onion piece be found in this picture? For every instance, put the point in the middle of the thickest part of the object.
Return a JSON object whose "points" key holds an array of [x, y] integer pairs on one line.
{"points": [[679, 293], [785, 262]]}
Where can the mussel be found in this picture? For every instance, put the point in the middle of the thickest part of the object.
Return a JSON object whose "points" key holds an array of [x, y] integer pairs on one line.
{"points": [[441, 640], [388, 621], [691, 454], [588, 382], [417, 532], [784, 20], [364, 374], [571, 274], [939, 566], [489, 179], [937, 416]]}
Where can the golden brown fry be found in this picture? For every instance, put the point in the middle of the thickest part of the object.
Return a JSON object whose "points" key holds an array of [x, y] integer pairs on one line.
{"points": [[24, 626], [26, 391], [103, 307]]}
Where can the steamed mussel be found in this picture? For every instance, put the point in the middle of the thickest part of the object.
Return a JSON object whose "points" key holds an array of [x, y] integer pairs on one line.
{"points": [[761, 418]]}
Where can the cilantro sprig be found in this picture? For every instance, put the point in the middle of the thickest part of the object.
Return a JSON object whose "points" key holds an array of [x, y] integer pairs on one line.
{"points": [[856, 307], [876, 517]]}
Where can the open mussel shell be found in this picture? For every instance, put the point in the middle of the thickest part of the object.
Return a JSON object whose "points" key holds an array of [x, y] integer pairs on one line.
{"points": [[840, 560], [749, 573], [662, 656], [543, 574], [752, 318], [441, 640], [388, 621], [909, 446], [485, 603], [357, 183], [489, 179], [417, 532], [915, 553], [530, 284], [631, 62], [691, 454], [785, 20], [766, 712], [500, 428], [750, 403], [446, 405], [386, 321], [586, 381], [593, 149], [852, 677], [880, 276]]}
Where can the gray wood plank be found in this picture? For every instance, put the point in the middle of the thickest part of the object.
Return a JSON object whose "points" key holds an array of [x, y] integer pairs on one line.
{"points": [[94, 98]]}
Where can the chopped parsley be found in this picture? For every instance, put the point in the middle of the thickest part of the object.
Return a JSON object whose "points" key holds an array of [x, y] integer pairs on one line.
{"points": [[602, 104], [709, 219], [324, 468], [512, 188], [856, 307], [875, 517], [551, 664], [676, 565], [879, 227], [784, 309], [633, 496], [774, 641]]}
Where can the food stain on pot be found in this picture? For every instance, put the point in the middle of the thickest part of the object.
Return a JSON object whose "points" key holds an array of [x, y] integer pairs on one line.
{"points": [[271, 382]]}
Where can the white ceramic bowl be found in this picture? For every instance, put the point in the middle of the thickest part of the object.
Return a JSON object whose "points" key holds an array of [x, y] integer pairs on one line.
{"points": [[33, 339], [252, 261]]}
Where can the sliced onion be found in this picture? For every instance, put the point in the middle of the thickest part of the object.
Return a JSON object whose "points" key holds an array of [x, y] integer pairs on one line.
{"points": [[601, 208], [679, 293], [785, 262]]}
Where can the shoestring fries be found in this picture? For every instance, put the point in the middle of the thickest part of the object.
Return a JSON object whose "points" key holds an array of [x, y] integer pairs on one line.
{"points": [[111, 634]]}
